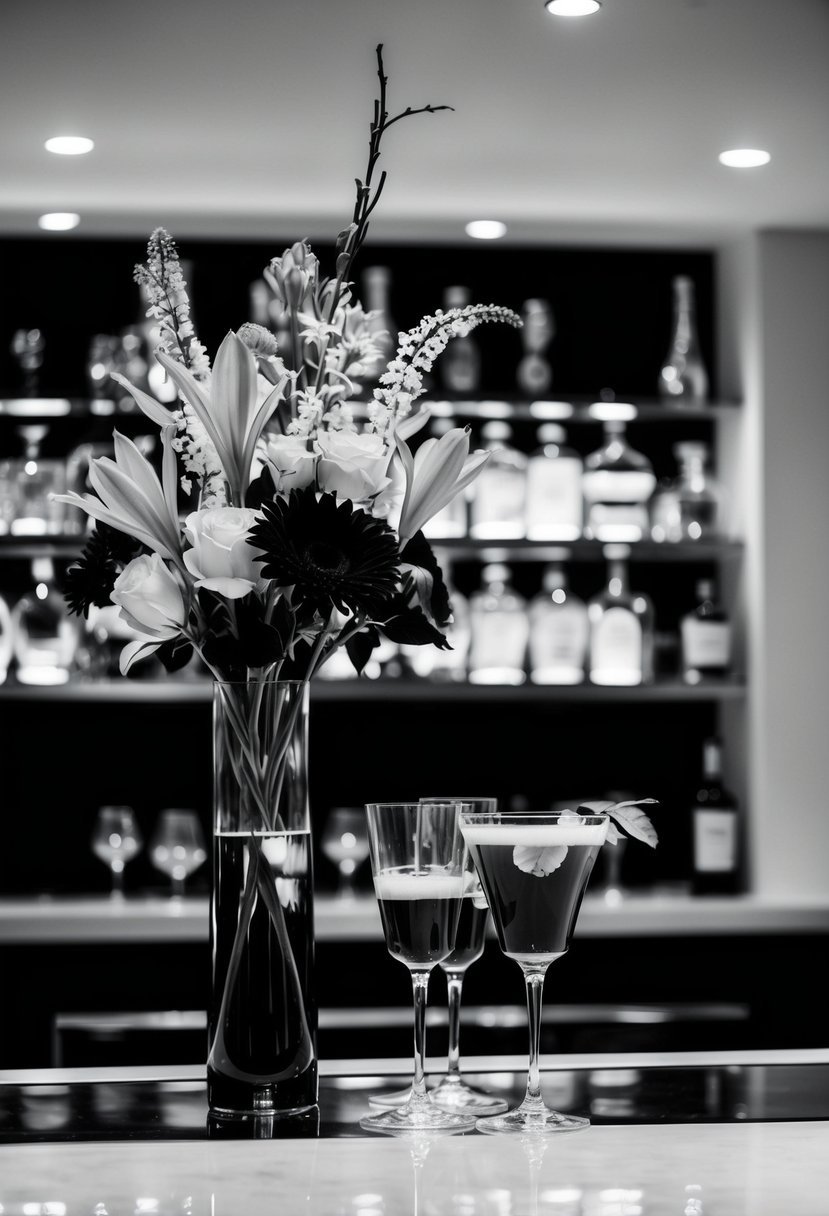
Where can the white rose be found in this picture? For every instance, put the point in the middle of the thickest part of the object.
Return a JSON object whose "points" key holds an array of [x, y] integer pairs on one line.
{"points": [[292, 465], [221, 558], [352, 466], [149, 597]]}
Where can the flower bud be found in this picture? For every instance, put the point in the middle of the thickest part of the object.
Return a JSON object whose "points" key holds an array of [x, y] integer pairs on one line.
{"points": [[257, 339]]}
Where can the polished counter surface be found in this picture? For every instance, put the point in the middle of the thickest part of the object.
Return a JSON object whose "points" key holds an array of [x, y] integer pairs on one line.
{"points": [[719, 1134], [48, 919]]}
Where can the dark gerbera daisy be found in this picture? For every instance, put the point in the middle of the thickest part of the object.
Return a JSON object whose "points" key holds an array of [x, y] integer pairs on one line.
{"points": [[333, 555]]}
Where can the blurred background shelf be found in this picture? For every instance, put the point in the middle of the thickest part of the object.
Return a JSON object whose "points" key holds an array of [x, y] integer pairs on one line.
{"points": [[155, 691]]}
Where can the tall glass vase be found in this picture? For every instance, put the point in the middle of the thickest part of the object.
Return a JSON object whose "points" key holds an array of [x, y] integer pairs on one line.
{"points": [[262, 1024]]}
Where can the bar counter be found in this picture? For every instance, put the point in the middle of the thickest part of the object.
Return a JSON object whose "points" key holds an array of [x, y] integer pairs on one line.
{"points": [[695, 1134]]}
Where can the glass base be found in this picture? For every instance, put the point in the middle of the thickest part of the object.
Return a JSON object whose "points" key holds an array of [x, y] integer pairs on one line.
{"points": [[418, 1117], [453, 1094], [521, 1122]]}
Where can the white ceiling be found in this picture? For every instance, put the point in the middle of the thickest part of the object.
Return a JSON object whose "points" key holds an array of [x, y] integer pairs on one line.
{"points": [[251, 117]]}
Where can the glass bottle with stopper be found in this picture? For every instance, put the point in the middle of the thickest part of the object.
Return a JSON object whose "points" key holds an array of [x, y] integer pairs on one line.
{"points": [[683, 379], [499, 491], [36, 480], [621, 627], [698, 495], [27, 348], [705, 635], [618, 481], [535, 373], [499, 625], [555, 506], [460, 364], [558, 628], [45, 637]]}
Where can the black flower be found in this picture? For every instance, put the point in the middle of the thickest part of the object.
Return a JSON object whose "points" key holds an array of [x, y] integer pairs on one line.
{"points": [[333, 555]]}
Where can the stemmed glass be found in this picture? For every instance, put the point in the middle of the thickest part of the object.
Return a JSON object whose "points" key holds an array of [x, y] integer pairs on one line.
{"points": [[418, 862], [177, 847], [344, 842], [534, 869], [116, 839], [452, 1092]]}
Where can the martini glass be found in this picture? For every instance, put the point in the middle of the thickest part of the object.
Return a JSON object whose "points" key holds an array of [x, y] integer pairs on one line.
{"points": [[452, 1092], [534, 869], [418, 861]]}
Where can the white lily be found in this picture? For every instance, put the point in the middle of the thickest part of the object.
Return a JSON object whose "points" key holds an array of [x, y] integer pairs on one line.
{"points": [[132, 499], [227, 407], [439, 470]]}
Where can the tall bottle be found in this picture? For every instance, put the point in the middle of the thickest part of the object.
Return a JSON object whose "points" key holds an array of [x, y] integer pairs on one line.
{"points": [[559, 629], [460, 364], [715, 824], [499, 491], [535, 373], [499, 625], [376, 299], [705, 636], [45, 636], [697, 493], [554, 488], [451, 520], [621, 627], [683, 379], [618, 481]]}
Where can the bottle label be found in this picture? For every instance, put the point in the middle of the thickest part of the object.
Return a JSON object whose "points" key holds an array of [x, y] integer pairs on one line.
{"points": [[554, 498], [616, 648], [715, 841], [706, 643], [607, 486]]}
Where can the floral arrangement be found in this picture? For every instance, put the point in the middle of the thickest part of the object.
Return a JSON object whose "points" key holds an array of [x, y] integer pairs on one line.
{"points": [[301, 526]]}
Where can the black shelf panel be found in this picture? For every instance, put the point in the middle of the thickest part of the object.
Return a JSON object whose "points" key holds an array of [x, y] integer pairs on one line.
{"points": [[668, 689]]}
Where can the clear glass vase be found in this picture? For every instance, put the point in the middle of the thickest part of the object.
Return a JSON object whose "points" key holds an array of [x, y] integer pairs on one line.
{"points": [[262, 1032]]}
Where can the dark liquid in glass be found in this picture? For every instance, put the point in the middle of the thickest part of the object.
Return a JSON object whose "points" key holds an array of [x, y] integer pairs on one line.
{"points": [[419, 914], [534, 915], [262, 1035], [469, 939]]}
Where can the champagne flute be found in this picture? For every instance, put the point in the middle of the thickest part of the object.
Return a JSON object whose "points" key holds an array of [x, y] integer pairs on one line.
{"points": [[452, 1092], [534, 869], [177, 847], [418, 861], [344, 842], [116, 839]]}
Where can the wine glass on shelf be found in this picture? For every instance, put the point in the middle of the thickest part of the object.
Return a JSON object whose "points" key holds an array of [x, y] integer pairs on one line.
{"points": [[452, 1092], [177, 847], [344, 842], [418, 863], [534, 869], [116, 839]]}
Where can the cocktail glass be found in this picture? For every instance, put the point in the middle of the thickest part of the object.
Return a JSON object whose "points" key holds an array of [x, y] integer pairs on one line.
{"points": [[452, 1092], [418, 862], [534, 869]]}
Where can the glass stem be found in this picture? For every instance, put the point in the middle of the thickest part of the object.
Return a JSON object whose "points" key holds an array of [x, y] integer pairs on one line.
{"points": [[454, 987], [420, 985], [117, 881], [534, 980]]}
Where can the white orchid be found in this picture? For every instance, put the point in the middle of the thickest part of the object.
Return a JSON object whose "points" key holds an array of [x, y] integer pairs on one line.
{"points": [[439, 470]]}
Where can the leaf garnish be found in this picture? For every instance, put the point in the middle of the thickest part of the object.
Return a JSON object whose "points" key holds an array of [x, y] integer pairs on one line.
{"points": [[539, 862], [628, 816]]}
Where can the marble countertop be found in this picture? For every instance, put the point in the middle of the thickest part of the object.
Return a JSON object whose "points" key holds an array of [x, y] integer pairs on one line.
{"points": [[48, 919], [697, 1150]]}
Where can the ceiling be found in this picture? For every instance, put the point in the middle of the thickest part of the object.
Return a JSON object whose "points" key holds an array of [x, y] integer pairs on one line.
{"points": [[251, 118]]}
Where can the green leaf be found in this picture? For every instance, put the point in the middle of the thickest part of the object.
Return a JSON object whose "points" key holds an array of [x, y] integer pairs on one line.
{"points": [[628, 815]]}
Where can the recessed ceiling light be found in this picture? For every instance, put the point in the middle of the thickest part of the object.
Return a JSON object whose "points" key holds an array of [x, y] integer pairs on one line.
{"points": [[572, 8], [486, 230], [59, 221], [744, 158], [69, 145]]}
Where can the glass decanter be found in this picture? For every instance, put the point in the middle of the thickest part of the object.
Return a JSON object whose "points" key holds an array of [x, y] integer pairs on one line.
{"points": [[683, 379], [618, 481], [45, 636], [621, 627], [37, 480], [698, 494], [498, 620]]}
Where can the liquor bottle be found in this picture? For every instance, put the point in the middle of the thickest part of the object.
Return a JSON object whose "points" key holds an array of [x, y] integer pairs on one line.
{"points": [[621, 627], [664, 511], [705, 636], [698, 495], [6, 646], [499, 491], [715, 825], [534, 373], [559, 629], [376, 296], [499, 626], [554, 488], [45, 637], [618, 482], [683, 379], [451, 520], [460, 363]]}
